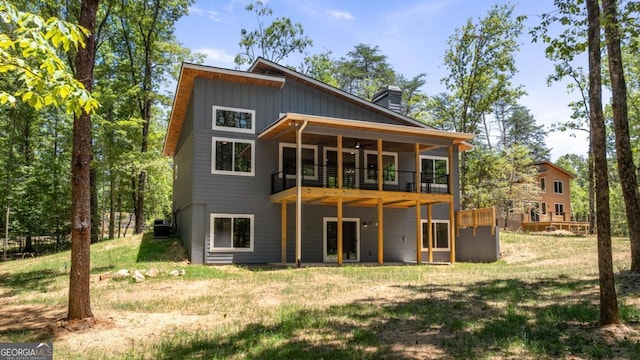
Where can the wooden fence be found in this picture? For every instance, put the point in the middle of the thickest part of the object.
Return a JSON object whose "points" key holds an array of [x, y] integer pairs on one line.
{"points": [[476, 217]]}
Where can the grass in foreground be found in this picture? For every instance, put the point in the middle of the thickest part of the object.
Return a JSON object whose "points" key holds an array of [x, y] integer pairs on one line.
{"points": [[539, 301]]}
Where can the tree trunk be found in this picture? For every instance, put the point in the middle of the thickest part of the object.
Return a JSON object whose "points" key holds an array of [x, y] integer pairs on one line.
{"points": [[95, 215], [608, 298], [79, 295], [112, 203], [626, 168], [592, 189]]}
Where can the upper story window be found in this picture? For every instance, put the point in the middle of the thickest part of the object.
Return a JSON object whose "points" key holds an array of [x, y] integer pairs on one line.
{"points": [[389, 167], [287, 163], [558, 187], [543, 184], [233, 119], [232, 156], [435, 169]]}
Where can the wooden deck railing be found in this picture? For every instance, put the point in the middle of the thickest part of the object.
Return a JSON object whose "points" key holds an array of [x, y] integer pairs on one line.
{"points": [[477, 217]]}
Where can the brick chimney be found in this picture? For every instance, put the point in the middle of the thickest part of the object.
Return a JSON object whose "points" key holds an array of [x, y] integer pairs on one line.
{"points": [[389, 96]]}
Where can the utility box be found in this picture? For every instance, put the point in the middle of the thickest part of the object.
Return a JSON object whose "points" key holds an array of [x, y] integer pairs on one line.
{"points": [[161, 229]]}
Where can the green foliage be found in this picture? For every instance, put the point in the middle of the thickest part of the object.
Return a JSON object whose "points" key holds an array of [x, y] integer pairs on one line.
{"points": [[481, 65], [274, 42], [29, 53]]}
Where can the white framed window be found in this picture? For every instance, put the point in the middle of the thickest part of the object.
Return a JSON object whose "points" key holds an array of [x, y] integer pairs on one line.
{"points": [[440, 235], [559, 207], [350, 168], [543, 184], [558, 186], [435, 170], [389, 167], [231, 232], [287, 162], [543, 208], [234, 119], [232, 156]]}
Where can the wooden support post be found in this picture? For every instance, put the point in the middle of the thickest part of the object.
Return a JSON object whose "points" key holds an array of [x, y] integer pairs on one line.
{"points": [[417, 179], [452, 234], [493, 221], [380, 232], [339, 205], [418, 233], [450, 172], [430, 232], [283, 231], [380, 178], [340, 165]]}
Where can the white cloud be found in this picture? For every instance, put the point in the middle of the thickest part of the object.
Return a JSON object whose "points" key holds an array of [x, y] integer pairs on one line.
{"points": [[210, 14], [217, 57], [340, 15], [195, 11], [214, 15]]}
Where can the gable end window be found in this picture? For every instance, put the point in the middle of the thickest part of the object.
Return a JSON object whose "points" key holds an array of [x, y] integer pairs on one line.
{"points": [[557, 187], [233, 119], [231, 232], [232, 156]]}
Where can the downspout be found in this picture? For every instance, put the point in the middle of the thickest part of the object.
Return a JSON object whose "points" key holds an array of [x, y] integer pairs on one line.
{"points": [[299, 129]]}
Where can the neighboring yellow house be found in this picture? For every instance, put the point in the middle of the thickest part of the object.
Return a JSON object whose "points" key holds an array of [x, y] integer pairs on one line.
{"points": [[553, 211]]}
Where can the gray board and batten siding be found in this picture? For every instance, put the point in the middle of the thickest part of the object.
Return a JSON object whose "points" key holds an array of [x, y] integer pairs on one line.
{"points": [[198, 193]]}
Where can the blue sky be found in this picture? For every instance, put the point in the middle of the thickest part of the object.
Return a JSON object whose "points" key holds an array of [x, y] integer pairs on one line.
{"points": [[412, 34]]}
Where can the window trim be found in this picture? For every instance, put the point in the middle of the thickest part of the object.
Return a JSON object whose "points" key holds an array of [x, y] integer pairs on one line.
{"points": [[214, 139], [543, 208], [281, 146], [434, 221], [543, 181], [366, 166], [561, 186], [555, 207], [325, 221], [427, 157], [355, 152], [213, 216], [233, 129]]}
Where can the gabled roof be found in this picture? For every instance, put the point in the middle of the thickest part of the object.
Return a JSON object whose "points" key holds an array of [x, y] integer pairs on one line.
{"points": [[184, 88], [263, 66], [558, 168]]}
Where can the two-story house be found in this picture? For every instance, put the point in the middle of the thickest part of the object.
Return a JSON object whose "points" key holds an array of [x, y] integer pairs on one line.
{"points": [[271, 166], [553, 210]]}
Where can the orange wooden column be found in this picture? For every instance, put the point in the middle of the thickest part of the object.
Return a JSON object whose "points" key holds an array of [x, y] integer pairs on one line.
{"points": [[417, 179]]}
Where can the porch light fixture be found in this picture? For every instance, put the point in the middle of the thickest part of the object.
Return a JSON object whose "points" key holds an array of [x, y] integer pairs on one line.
{"points": [[365, 225], [357, 144]]}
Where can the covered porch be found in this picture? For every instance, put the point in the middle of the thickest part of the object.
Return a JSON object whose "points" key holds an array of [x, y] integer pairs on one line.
{"points": [[378, 184]]}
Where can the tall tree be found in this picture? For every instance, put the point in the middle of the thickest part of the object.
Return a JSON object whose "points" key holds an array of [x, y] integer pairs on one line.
{"points": [[563, 49], [481, 65], [79, 296], [151, 54], [608, 298], [274, 42], [364, 70], [518, 127], [626, 168]]}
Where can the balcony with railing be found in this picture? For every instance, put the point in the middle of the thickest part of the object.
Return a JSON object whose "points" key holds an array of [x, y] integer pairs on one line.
{"points": [[318, 176]]}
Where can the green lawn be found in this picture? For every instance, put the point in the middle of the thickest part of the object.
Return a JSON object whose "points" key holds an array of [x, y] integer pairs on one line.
{"points": [[539, 301]]}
